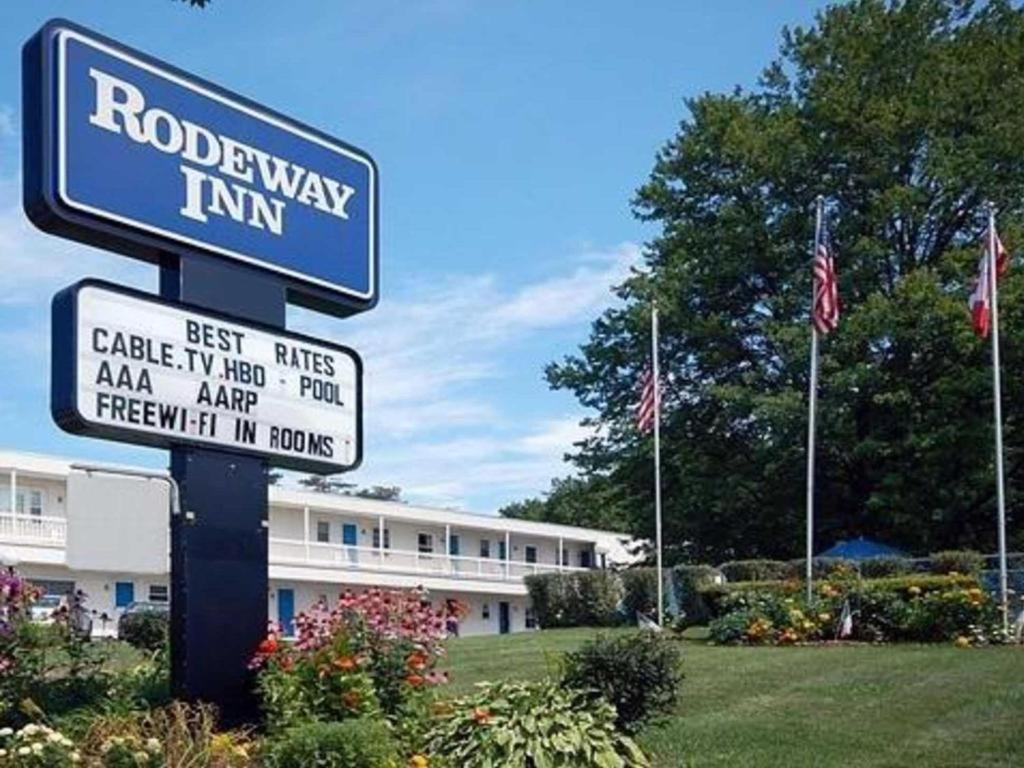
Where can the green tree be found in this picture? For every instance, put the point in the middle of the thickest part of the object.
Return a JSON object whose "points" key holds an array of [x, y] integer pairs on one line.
{"points": [[591, 503], [904, 115]]}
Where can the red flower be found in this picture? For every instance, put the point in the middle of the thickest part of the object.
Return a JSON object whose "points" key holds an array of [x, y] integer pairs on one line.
{"points": [[268, 646]]}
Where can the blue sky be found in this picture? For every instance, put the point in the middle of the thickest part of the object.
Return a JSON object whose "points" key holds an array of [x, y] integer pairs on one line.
{"points": [[510, 138]]}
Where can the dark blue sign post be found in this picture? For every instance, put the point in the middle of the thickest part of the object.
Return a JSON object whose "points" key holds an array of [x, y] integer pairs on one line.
{"points": [[243, 210]]}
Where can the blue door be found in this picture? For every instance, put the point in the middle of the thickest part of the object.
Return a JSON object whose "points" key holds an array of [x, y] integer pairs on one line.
{"points": [[286, 611], [124, 593], [349, 535], [504, 619]]}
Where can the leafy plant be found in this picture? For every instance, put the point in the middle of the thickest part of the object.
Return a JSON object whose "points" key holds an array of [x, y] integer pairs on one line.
{"points": [[361, 743], [145, 630], [964, 561], [531, 725], [874, 567], [757, 570], [639, 674]]}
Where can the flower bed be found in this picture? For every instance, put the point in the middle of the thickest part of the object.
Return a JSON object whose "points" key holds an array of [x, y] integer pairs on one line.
{"points": [[921, 608]]}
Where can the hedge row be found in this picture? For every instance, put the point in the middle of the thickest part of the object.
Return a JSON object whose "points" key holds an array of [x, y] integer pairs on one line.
{"points": [[581, 599], [603, 598]]}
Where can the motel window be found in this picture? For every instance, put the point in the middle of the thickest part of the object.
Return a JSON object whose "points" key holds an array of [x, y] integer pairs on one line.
{"points": [[323, 531], [530, 554], [158, 593], [565, 557], [425, 543], [485, 548], [485, 611], [502, 551], [28, 501], [585, 558], [387, 538], [531, 619], [454, 545]]}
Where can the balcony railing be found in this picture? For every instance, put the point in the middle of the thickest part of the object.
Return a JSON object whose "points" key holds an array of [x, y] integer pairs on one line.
{"points": [[33, 529], [317, 554]]}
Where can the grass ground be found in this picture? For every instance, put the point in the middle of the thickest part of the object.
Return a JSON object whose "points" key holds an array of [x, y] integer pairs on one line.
{"points": [[855, 706]]}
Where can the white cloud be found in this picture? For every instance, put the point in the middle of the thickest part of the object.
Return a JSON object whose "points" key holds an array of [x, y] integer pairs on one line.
{"points": [[35, 265], [421, 348], [7, 126]]}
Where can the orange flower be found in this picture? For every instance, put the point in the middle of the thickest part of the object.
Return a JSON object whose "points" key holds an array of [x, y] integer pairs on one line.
{"points": [[482, 715], [268, 646], [417, 660], [351, 700], [414, 680], [346, 663]]}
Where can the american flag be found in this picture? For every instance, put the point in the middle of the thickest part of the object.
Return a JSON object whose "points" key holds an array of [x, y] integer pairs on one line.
{"points": [[981, 296], [645, 408], [825, 312]]}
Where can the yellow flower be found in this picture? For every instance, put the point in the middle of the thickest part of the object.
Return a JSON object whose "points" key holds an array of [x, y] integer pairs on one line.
{"points": [[418, 761], [824, 617], [914, 591], [962, 642]]}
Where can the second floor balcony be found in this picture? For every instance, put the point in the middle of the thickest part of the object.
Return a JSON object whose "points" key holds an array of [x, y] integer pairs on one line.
{"points": [[33, 530], [321, 555]]}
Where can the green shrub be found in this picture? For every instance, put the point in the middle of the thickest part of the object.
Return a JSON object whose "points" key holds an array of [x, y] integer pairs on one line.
{"points": [[639, 674], [580, 599], [531, 725], [599, 593], [688, 582], [957, 561], [874, 567], [758, 570], [640, 592], [360, 743], [145, 630]]}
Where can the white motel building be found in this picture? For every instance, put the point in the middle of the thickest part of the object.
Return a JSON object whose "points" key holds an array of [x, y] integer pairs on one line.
{"points": [[69, 529]]}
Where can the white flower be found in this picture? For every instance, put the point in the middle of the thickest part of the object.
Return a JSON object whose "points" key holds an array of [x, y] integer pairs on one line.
{"points": [[37, 747], [75, 757], [153, 745], [24, 751], [30, 730], [6, 732]]}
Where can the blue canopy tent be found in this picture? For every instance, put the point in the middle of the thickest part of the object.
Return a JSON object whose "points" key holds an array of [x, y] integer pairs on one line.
{"points": [[861, 549]]}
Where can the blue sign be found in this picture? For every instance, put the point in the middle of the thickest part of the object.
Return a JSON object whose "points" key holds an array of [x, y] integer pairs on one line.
{"points": [[128, 153]]}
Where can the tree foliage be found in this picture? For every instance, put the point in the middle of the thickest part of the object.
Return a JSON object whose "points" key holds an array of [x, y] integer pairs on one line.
{"points": [[903, 115], [589, 503]]}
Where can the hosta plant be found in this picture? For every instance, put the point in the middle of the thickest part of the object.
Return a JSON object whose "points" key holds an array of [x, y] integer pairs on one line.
{"points": [[530, 725]]}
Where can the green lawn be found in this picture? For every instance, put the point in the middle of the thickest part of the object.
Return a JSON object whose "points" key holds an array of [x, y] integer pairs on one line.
{"points": [[829, 706]]}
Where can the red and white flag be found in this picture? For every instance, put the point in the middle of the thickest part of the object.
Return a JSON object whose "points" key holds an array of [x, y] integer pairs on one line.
{"points": [[645, 408], [825, 312], [981, 297]]}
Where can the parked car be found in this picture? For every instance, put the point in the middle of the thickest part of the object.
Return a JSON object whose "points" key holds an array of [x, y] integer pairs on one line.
{"points": [[42, 610]]}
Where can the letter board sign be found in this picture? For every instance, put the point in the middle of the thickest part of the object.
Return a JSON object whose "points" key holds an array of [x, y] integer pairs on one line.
{"points": [[128, 366], [131, 154]]}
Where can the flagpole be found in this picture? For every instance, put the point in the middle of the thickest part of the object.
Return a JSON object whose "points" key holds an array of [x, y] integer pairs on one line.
{"points": [[812, 412], [657, 458], [998, 407]]}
